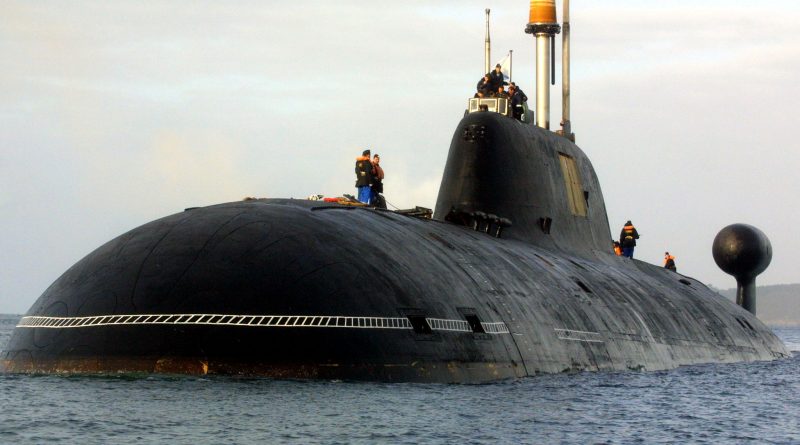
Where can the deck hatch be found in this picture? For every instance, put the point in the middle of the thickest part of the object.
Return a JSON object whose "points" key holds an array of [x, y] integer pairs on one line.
{"points": [[572, 181], [420, 324], [475, 324]]}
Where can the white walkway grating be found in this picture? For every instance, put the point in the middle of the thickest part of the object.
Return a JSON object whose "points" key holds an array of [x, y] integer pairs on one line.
{"points": [[282, 321]]}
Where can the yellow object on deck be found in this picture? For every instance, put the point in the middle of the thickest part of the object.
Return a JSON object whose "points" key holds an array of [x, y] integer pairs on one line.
{"points": [[347, 202]]}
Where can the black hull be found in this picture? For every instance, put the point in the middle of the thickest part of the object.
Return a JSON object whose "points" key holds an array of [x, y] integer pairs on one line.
{"points": [[301, 289]]}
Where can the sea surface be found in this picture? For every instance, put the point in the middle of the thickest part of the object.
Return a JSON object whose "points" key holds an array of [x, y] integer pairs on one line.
{"points": [[738, 403]]}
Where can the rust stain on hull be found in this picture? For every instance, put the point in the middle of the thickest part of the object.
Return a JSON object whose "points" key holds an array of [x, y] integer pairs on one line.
{"points": [[400, 372]]}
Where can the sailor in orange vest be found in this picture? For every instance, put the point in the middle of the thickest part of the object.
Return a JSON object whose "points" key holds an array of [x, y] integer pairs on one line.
{"points": [[364, 173], [617, 249], [627, 238], [669, 262]]}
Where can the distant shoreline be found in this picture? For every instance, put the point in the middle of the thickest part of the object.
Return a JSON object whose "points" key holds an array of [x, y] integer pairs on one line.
{"points": [[783, 324], [777, 304]]}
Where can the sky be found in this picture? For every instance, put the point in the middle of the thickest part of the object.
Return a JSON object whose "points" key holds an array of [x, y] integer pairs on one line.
{"points": [[116, 113]]}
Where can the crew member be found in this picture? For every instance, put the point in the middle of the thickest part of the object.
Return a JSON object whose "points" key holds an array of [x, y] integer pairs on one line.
{"points": [[627, 238], [501, 92], [497, 77], [669, 262], [517, 88], [617, 249], [518, 97], [484, 87], [364, 174], [377, 183]]}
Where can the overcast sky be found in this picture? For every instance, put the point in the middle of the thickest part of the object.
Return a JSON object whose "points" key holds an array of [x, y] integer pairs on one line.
{"points": [[115, 113]]}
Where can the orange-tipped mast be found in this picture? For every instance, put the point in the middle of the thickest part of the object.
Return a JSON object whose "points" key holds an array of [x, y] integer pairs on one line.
{"points": [[544, 26], [543, 11]]}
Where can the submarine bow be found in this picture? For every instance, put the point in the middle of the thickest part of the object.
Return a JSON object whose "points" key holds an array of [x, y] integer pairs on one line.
{"points": [[280, 288]]}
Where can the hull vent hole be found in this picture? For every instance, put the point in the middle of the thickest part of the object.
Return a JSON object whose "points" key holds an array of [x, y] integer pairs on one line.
{"points": [[420, 324], [545, 223], [475, 324], [583, 286]]}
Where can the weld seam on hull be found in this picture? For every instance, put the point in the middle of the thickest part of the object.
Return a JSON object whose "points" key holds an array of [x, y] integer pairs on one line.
{"points": [[575, 335]]}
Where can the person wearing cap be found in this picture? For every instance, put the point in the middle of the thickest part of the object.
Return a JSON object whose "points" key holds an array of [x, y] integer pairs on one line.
{"points": [[497, 78], [669, 262], [627, 238], [518, 97], [518, 90], [364, 175]]}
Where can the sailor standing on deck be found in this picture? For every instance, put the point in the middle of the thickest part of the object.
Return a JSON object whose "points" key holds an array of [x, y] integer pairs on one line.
{"points": [[669, 262], [364, 173], [484, 87], [501, 92], [518, 97], [627, 238], [496, 77], [377, 183]]}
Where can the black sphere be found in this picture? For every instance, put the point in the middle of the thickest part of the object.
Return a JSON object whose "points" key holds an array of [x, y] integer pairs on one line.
{"points": [[742, 250]]}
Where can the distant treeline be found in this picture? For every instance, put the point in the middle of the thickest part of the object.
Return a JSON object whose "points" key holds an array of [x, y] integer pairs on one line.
{"points": [[777, 305]]}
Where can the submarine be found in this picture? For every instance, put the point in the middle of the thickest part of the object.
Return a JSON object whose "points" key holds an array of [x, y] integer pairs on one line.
{"points": [[511, 275]]}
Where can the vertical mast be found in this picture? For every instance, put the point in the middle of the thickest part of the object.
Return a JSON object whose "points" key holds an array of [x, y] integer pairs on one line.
{"points": [[487, 47], [510, 65], [544, 26], [566, 124]]}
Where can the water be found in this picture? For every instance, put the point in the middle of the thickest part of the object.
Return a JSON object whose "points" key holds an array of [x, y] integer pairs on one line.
{"points": [[739, 403]]}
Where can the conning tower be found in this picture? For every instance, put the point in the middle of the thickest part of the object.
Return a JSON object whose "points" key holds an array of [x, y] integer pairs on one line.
{"points": [[509, 178]]}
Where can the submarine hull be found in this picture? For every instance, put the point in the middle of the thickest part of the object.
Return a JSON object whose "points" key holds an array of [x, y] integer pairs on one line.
{"points": [[303, 289], [278, 288]]}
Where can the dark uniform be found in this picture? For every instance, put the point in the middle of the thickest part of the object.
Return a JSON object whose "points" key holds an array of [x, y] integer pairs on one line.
{"points": [[497, 79], [516, 103], [485, 87], [627, 239], [364, 178], [377, 184]]}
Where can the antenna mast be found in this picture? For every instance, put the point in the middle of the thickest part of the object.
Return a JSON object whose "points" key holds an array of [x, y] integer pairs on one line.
{"points": [[487, 47], [566, 125]]}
